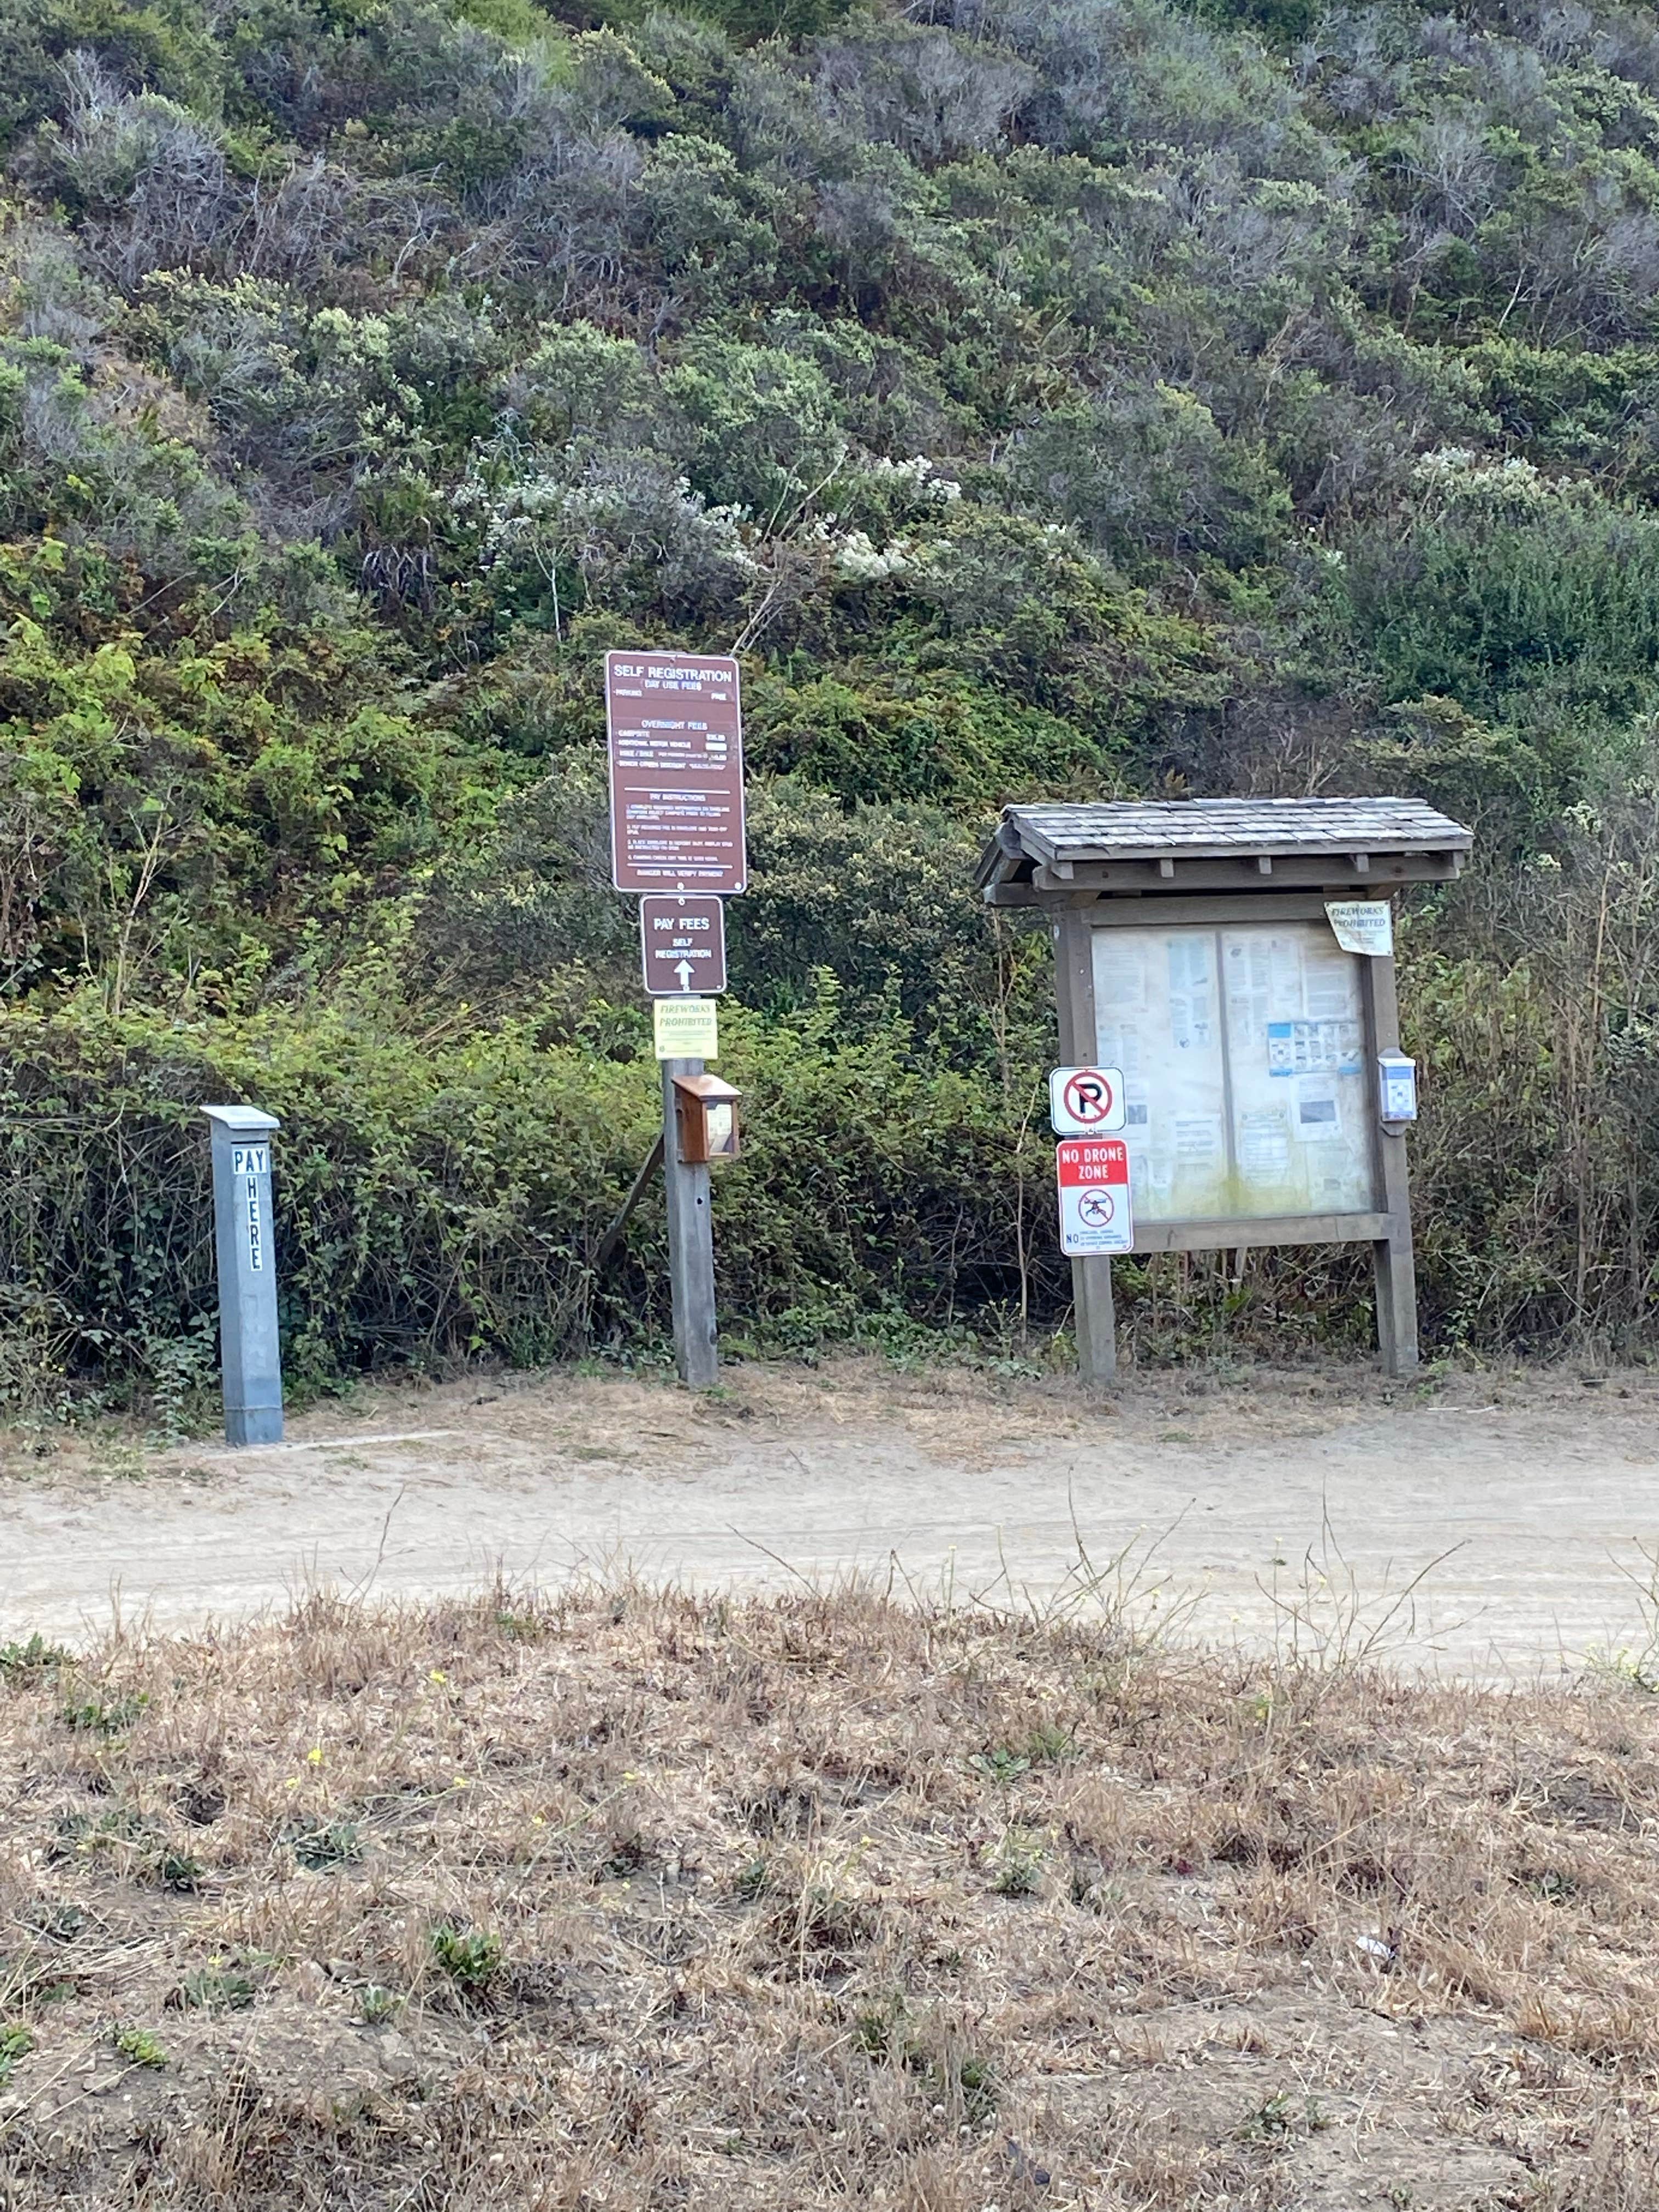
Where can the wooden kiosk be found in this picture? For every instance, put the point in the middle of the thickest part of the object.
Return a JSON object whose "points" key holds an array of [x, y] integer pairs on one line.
{"points": [[1195, 951]]}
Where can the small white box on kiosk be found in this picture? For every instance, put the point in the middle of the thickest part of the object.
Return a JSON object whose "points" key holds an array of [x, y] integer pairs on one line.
{"points": [[1396, 1076]]}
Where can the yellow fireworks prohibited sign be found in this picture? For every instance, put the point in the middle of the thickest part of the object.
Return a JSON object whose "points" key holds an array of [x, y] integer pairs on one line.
{"points": [[686, 1028]]}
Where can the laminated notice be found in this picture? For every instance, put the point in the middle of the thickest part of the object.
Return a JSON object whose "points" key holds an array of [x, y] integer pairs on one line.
{"points": [[1363, 926]]}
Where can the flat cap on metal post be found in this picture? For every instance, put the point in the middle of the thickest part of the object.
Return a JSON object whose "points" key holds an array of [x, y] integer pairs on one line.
{"points": [[249, 1358]]}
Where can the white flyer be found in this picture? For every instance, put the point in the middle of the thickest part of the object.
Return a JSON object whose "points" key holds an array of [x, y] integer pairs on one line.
{"points": [[1190, 984], [1264, 1146]]}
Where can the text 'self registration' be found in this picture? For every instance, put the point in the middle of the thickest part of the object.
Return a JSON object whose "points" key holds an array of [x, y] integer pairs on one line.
{"points": [[676, 772]]}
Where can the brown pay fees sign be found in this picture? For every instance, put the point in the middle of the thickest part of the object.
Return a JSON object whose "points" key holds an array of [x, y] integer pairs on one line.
{"points": [[683, 944], [676, 732]]}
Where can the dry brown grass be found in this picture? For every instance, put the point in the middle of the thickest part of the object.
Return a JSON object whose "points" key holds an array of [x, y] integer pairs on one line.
{"points": [[633, 1899]]}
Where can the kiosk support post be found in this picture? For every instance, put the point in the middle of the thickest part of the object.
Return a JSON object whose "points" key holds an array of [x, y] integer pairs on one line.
{"points": [[690, 1245], [1392, 1257], [249, 1358], [1093, 1316]]}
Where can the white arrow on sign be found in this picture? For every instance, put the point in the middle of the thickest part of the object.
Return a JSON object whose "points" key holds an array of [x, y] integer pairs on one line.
{"points": [[683, 971]]}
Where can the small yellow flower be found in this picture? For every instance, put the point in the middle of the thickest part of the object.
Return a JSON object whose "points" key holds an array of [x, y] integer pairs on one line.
{"points": [[437, 1675], [460, 1783], [314, 1756], [293, 1781], [632, 1774], [537, 1821]]}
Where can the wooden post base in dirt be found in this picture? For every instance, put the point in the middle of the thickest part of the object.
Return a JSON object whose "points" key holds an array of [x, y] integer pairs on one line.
{"points": [[690, 1246]]}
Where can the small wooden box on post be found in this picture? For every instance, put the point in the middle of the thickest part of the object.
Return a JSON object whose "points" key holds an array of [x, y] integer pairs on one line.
{"points": [[1233, 958]]}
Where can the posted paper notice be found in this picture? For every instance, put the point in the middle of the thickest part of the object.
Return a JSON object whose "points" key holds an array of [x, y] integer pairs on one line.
{"points": [[1363, 926]]}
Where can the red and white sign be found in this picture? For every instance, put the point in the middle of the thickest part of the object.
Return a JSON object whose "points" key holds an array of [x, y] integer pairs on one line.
{"points": [[1095, 1214], [1085, 1101]]}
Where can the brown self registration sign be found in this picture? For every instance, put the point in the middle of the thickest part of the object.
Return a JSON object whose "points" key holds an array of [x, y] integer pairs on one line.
{"points": [[676, 772], [682, 945]]}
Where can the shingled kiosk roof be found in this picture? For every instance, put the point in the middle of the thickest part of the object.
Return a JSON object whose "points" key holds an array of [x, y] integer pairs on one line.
{"points": [[1040, 854]]}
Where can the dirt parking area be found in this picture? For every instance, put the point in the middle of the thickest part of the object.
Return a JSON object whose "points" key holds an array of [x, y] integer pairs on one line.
{"points": [[1489, 1524]]}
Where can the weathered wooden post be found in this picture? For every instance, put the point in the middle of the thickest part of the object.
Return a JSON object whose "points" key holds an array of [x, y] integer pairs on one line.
{"points": [[1224, 970], [680, 1024], [1094, 1318]]}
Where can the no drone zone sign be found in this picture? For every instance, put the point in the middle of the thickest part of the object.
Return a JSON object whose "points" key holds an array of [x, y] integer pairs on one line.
{"points": [[1095, 1213]]}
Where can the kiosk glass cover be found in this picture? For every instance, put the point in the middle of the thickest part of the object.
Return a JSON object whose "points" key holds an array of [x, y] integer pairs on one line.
{"points": [[1243, 1058]]}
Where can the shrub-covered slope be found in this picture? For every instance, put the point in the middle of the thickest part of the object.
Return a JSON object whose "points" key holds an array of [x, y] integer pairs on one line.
{"points": [[1086, 397]]}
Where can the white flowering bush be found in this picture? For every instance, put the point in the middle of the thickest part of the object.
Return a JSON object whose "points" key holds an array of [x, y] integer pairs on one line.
{"points": [[621, 528], [1458, 476]]}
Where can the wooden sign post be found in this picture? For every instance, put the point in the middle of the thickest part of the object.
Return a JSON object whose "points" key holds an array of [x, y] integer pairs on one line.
{"points": [[1233, 961], [678, 838], [690, 1245]]}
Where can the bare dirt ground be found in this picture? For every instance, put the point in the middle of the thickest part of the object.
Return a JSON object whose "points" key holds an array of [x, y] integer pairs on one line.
{"points": [[1120, 1859], [1255, 1506]]}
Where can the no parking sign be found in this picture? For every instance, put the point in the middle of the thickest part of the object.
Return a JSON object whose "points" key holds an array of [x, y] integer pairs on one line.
{"points": [[1085, 1101], [1095, 1213]]}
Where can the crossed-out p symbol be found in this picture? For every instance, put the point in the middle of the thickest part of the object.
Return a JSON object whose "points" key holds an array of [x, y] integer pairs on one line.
{"points": [[1089, 1096]]}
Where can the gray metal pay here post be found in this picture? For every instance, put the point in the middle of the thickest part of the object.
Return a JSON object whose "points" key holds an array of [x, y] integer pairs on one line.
{"points": [[674, 722], [249, 1356], [1226, 987]]}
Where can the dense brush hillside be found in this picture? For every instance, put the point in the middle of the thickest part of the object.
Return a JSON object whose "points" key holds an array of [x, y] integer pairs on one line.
{"points": [[1043, 395]]}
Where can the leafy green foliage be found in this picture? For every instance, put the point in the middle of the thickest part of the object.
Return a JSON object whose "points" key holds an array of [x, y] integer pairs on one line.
{"points": [[29, 1661], [423, 1213], [142, 2045], [321, 1846], [1102, 396], [87, 1834], [471, 1957], [216, 1989], [1017, 1868], [101, 1717]]}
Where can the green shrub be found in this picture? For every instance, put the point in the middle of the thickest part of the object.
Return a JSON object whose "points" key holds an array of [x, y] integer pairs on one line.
{"points": [[29, 1661], [470, 1956], [437, 1203], [142, 2045], [216, 1989], [100, 1717], [1103, 396], [322, 1846]]}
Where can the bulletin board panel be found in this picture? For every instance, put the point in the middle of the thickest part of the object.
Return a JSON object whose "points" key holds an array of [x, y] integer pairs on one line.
{"points": [[1242, 1048]]}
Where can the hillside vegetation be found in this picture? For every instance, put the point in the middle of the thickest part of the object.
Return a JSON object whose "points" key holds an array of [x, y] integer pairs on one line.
{"points": [[1092, 397]]}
